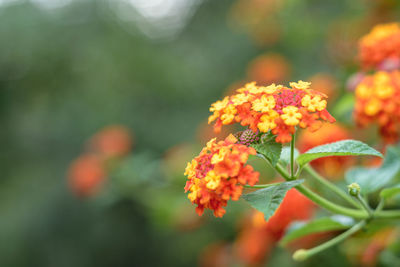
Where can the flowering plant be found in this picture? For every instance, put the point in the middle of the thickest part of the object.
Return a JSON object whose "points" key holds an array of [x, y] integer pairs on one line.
{"points": [[273, 115]]}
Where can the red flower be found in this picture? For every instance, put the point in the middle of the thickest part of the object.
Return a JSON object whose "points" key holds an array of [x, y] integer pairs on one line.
{"points": [[86, 174]]}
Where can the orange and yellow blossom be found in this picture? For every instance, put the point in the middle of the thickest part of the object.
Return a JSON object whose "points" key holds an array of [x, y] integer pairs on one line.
{"points": [[382, 43], [378, 101], [274, 107], [218, 174]]}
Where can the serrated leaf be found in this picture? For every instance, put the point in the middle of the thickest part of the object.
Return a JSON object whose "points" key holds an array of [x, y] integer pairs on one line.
{"points": [[320, 225], [285, 155], [372, 179], [390, 192], [340, 148], [267, 200], [270, 149]]}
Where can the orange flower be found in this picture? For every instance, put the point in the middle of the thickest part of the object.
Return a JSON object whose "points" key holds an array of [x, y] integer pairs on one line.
{"points": [[268, 68], [325, 83], [382, 43], [258, 237], [378, 100], [332, 167], [218, 174], [112, 141], [275, 107], [86, 175]]}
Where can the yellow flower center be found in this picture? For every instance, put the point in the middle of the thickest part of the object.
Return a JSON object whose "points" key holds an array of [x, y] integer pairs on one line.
{"points": [[212, 180], [313, 104], [267, 121], [263, 104], [291, 116]]}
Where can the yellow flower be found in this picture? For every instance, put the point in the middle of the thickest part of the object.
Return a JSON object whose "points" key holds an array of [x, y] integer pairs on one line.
{"points": [[267, 121], [194, 189], [239, 99], [190, 170], [379, 32], [264, 104], [270, 89], [363, 91], [372, 107], [290, 115], [229, 114], [300, 85], [313, 104], [382, 82], [219, 105], [250, 87], [211, 143], [212, 180], [218, 157]]}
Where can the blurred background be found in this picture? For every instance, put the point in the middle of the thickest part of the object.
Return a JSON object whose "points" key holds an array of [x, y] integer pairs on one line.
{"points": [[103, 103]]}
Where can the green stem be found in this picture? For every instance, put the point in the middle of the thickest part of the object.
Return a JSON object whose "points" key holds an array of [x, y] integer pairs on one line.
{"points": [[282, 171], [330, 206], [365, 205], [303, 254], [292, 144], [387, 214], [331, 186], [261, 185], [380, 206]]}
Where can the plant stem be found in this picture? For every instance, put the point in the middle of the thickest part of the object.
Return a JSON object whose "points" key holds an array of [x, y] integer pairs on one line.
{"points": [[328, 205], [282, 171], [365, 205], [380, 206], [292, 144], [331, 186], [303, 254], [335, 208], [261, 185]]}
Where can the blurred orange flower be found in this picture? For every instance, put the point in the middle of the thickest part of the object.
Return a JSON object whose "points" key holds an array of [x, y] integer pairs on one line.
{"points": [[268, 68], [333, 167], [86, 174], [324, 83], [112, 141], [383, 42], [378, 101]]}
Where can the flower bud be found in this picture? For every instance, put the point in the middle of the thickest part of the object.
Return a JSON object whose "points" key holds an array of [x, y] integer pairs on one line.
{"points": [[354, 189], [300, 255]]}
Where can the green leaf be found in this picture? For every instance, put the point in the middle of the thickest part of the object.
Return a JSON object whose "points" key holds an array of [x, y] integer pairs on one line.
{"points": [[267, 200], [269, 149], [372, 179], [320, 225], [390, 192], [285, 155], [340, 148]]}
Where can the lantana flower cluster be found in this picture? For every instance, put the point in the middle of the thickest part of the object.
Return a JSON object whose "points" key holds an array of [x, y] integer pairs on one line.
{"points": [[218, 174], [381, 44], [274, 107], [378, 100]]}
